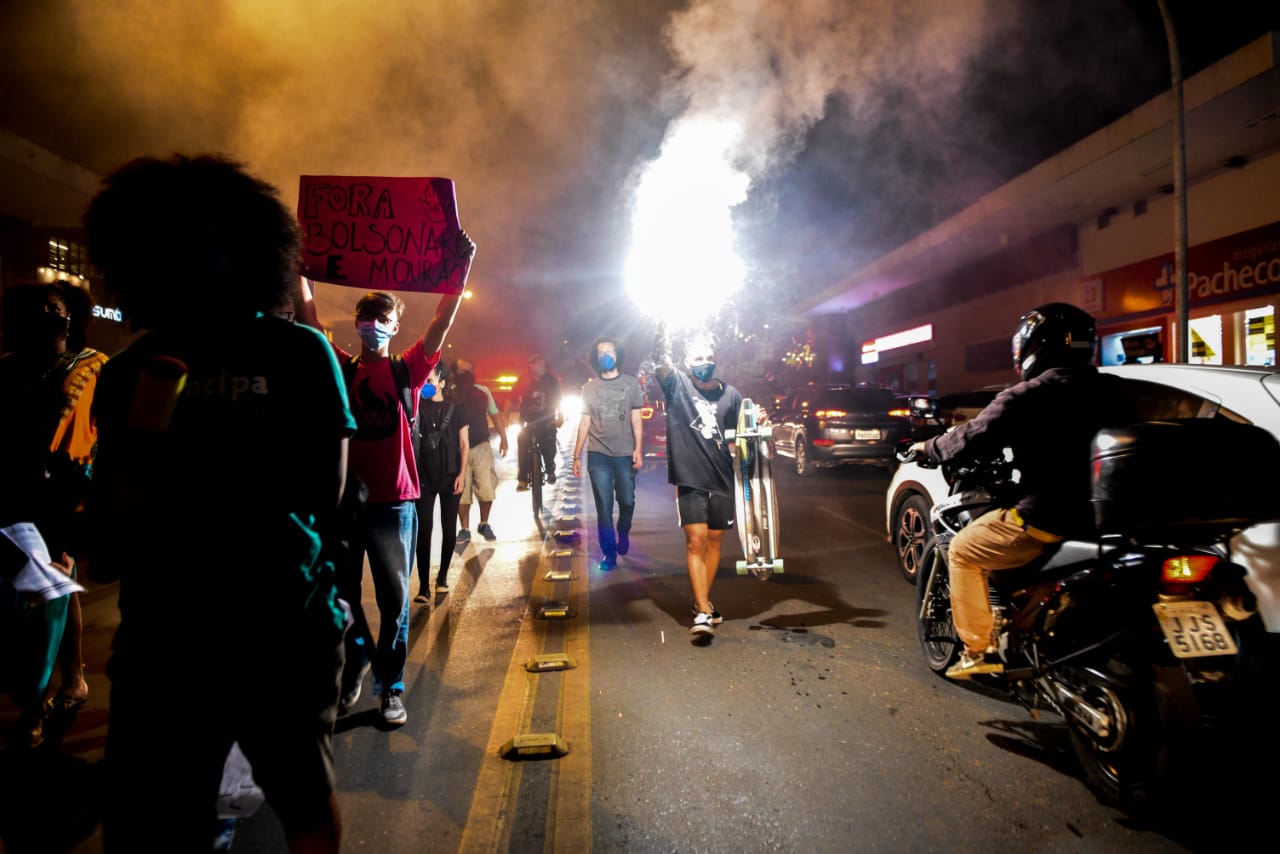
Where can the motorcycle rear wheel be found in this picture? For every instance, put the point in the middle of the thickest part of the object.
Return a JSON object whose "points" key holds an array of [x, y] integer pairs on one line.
{"points": [[937, 629], [1156, 737]]}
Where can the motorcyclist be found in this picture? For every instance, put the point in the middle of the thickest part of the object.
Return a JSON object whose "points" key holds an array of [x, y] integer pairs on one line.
{"points": [[1048, 420]]}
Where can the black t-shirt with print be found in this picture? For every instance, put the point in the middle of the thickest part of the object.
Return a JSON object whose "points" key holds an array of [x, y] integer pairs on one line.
{"points": [[697, 454]]}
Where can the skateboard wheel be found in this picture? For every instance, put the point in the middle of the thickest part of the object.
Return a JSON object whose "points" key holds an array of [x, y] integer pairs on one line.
{"points": [[766, 433], [777, 566], [741, 566], [729, 434]]}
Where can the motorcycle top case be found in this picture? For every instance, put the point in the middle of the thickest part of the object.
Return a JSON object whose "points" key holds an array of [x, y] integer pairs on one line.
{"points": [[1183, 479]]}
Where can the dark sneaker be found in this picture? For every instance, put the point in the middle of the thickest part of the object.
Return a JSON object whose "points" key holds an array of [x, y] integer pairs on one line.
{"points": [[607, 564], [522, 486], [716, 619], [551, 477], [487, 532], [393, 709], [624, 543], [442, 586], [351, 695], [421, 599], [464, 535], [702, 628], [974, 664]]}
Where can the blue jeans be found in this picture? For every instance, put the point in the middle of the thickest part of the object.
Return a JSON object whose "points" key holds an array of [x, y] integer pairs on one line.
{"points": [[390, 536], [610, 477]]}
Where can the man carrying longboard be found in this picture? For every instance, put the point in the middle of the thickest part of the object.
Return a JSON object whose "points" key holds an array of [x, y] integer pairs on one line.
{"points": [[700, 409]]}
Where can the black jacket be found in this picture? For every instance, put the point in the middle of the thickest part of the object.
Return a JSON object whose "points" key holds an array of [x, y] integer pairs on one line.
{"points": [[1049, 421]]}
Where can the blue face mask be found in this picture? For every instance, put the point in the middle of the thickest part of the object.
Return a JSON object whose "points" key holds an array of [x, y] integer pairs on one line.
{"points": [[373, 334], [607, 362], [428, 391], [703, 373]]}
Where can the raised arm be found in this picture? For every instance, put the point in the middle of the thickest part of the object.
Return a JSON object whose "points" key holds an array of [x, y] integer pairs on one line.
{"points": [[447, 308], [662, 352], [304, 305]]}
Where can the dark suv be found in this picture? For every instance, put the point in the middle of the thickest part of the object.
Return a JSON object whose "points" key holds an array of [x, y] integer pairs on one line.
{"points": [[822, 425]]}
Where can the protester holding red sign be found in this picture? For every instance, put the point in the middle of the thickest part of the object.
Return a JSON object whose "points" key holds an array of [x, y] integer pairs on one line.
{"points": [[384, 393]]}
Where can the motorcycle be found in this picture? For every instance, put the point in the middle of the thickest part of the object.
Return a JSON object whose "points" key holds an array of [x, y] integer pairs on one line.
{"points": [[1145, 639]]}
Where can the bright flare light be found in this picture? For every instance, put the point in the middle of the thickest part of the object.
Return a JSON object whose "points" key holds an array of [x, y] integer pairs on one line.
{"points": [[682, 265]]}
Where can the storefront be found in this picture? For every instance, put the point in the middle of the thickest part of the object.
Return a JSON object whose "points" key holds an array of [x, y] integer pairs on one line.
{"points": [[1233, 288]]}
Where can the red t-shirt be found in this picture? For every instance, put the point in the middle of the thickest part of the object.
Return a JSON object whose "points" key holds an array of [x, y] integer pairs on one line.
{"points": [[381, 453]]}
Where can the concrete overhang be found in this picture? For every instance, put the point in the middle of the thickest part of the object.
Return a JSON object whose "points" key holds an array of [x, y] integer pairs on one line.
{"points": [[1232, 109], [41, 188]]}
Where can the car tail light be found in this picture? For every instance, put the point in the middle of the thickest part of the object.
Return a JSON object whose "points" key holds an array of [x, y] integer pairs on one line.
{"points": [[1187, 569], [824, 443], [646, 412], [900, 413], [831, 413]]}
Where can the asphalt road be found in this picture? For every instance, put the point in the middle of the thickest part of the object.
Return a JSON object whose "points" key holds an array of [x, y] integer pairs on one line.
{"points": [[809, 724]]}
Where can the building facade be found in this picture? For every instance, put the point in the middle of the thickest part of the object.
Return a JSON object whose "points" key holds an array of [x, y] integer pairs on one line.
{"points": [[1093, 226]]}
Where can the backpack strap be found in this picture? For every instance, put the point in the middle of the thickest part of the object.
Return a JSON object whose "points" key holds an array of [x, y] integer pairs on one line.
{"points": [[400, 372]]}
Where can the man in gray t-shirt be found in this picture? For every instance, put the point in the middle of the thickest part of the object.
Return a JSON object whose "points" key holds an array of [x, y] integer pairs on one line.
{"points": [[610, 429]]}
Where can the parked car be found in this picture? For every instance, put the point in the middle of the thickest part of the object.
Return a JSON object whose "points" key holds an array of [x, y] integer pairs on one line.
{"points": [[826, 425], [1249, 394]]}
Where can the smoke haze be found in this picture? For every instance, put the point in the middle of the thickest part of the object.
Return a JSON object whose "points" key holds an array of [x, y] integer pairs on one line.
{"points": [[865, 120]]}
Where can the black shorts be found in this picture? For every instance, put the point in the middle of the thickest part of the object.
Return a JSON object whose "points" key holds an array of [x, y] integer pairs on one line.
{"points": [[696, 507]]}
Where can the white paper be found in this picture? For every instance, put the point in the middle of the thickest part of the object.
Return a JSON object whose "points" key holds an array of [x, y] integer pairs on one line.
{"points": [[238, 796], [39, 577]]}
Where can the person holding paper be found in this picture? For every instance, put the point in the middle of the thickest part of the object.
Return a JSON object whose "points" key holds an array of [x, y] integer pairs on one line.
{"points": [[47, 437]]}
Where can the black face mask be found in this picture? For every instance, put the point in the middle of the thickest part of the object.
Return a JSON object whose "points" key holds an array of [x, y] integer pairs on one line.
{"points": [[464, 378], [54, 325]]}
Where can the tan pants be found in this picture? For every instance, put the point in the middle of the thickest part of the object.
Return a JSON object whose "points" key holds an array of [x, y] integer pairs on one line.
{"points": [[994, 541]]}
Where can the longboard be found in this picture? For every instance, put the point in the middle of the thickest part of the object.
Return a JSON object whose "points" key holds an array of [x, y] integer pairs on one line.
{"points": [[755, 499]]}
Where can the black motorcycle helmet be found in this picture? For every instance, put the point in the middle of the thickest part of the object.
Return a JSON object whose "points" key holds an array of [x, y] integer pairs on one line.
{"points": [[1054, 335]]}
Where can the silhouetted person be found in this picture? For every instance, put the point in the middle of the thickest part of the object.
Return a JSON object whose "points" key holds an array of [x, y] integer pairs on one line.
{"points": [[222, 454]]}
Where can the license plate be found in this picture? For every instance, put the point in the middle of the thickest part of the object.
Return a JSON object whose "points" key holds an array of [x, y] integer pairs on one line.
{"points": [[1194, 629], [867, 435]]}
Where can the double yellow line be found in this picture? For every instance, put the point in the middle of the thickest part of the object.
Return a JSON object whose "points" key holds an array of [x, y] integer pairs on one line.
{"points": [[495, 800]]}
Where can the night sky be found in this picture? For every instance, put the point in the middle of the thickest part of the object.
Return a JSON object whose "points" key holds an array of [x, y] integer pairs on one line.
{"points": [[867, 122]]}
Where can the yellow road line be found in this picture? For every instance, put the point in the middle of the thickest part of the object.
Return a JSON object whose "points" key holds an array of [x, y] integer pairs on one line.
{"points": [[494, 800]]}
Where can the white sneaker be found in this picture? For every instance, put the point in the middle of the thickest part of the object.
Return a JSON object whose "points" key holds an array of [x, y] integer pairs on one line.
{"points": [[702, 626]]}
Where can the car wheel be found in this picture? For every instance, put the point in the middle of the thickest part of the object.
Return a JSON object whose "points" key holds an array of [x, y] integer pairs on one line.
{"points": [[804, 465], [910, 530]]}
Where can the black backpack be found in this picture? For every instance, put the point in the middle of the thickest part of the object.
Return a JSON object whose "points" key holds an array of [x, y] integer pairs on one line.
{"points": [[400, 372]]}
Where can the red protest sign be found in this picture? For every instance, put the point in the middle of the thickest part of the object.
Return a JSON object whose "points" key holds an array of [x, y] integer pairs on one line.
{"points": [[393, 234]]}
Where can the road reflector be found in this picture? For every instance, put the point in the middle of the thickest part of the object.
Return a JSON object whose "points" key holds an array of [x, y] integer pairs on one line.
{"points": [[558, 575], [549, 661], [562, 553], [554, 611], [537, 745]]}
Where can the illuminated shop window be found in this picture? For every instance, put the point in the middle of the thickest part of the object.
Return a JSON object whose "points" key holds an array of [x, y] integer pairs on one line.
{"points": [[1260, 336], [66, 260], [1206, 340]]}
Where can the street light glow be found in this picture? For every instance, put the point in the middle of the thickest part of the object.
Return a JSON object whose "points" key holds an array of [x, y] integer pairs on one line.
{"points": [[682, 266]]}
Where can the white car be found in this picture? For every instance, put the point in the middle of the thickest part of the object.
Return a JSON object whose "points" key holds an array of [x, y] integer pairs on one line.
{"points": [[1249, 394]]}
